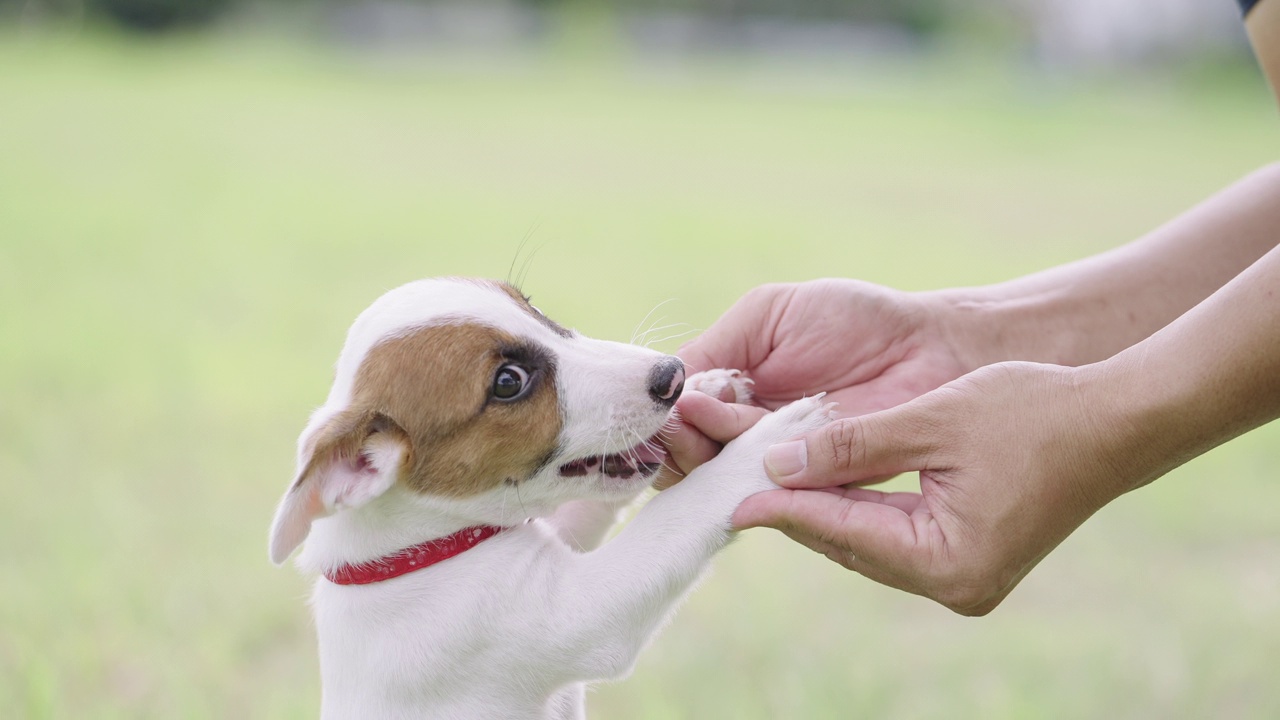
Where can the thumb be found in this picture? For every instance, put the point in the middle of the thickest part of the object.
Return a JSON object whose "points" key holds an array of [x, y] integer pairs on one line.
{"points": [[852, 450]]}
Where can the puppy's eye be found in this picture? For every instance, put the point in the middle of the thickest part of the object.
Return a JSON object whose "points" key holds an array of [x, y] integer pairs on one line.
{"points": [[510, 382]]}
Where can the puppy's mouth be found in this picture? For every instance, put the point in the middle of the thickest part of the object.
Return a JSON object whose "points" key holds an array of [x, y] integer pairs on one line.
{"points": [[643, 460]]}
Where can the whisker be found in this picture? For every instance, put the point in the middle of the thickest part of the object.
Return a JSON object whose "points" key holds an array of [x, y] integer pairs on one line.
{"points": [[670, 337], [528, 234], [523, 511], [660, 328], [639, 338], [636, 331], [569, 530], [528, 263], [649, 330]]}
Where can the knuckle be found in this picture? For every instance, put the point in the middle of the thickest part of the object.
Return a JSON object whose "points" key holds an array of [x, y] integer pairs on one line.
{"points": [[843, 445], [829, 536], [842, 518], [841, 557], [666, 480]]}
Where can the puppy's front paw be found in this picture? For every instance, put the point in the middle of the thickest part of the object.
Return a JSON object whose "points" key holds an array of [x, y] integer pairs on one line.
{"points": [[727, 385], [791, 421], [743, 458]]}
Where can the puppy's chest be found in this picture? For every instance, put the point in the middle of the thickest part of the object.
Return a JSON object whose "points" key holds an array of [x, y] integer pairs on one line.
{"points": [[461, 624]]}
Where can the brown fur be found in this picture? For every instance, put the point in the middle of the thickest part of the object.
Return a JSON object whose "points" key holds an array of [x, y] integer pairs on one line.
{"points": [[431, 387], [343, 437], [528, 307]]}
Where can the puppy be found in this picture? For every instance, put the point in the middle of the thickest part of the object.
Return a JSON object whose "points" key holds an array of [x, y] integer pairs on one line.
{"points": [[452, 491]]}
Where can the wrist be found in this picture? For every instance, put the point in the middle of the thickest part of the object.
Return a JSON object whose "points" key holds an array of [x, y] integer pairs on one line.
{"points": [[1138, 416], [988, 325], [1210, 375], [1066, 322]]}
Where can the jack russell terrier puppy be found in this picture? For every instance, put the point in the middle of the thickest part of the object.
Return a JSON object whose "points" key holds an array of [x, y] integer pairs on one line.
{"points": [[458, 412]]}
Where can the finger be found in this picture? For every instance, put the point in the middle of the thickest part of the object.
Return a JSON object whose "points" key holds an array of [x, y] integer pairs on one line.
{"points": [[880, 535], [718, 420], [839, 556], [907, 502], [845, 558], [687, 448], [873, 480], [853, 450], [739, 338], [668, 475]]}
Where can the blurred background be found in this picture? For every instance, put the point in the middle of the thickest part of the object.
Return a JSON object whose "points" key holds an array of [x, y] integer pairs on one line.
{"points": [[198, 196]]}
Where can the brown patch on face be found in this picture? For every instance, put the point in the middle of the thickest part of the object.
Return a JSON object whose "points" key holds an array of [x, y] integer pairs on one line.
{"points": [[434, 383], [524, 304]]}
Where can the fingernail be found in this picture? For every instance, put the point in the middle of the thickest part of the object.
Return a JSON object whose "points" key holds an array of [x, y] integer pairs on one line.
{"points": [[786, 458]]}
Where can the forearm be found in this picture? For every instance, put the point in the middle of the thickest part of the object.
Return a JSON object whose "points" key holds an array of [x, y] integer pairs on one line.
{"points": [[1089, 310], [1209, 376]]}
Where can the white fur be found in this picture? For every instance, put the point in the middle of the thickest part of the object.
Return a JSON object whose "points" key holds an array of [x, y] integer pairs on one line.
{"points": [[715, 382], [514, 627]]}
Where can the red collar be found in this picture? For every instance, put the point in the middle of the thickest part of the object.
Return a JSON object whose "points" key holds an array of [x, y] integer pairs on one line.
{"points": [[412, 558]]}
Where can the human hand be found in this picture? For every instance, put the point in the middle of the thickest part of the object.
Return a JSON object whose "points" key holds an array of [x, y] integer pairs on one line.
{"points": [[1012, 458], [704, 425], [867, 346]]}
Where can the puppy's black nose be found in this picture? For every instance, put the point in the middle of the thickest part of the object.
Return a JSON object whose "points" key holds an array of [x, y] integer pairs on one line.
{"points": [[666, 381]]}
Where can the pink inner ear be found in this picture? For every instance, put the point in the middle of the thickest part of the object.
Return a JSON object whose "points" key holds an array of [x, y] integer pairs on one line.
{"points": [[364, 465], [352, 482], [332, 482], [313, 504]]}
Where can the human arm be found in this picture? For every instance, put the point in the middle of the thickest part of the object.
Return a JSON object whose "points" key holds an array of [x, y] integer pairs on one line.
{"points": [[872, 347], [1014, 457], [1263, 26], [1089, 310]]}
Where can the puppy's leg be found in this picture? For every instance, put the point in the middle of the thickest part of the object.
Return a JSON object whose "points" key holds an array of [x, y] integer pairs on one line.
{"points": [[582, 524], [613, 599]]}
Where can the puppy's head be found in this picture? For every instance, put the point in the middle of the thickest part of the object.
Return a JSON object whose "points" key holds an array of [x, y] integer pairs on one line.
{"points": [[475, 404]]}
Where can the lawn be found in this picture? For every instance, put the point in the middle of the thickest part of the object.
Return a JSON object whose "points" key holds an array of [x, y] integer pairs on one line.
{"points": [[188, 226]]}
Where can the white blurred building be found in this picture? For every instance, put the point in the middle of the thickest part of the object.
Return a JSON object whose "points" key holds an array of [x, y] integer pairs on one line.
{"points": [[1066, 33], [1107, 32]]}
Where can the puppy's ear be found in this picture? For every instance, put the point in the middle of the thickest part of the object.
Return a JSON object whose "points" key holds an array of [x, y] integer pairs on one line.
{"points": [[354, 458]]}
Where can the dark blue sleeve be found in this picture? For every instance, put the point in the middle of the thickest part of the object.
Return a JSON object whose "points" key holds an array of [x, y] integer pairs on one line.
{"points": [[1247, 5]]}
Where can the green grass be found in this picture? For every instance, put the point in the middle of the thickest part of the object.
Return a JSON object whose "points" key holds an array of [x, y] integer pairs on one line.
{"points": [[187, 228]]}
